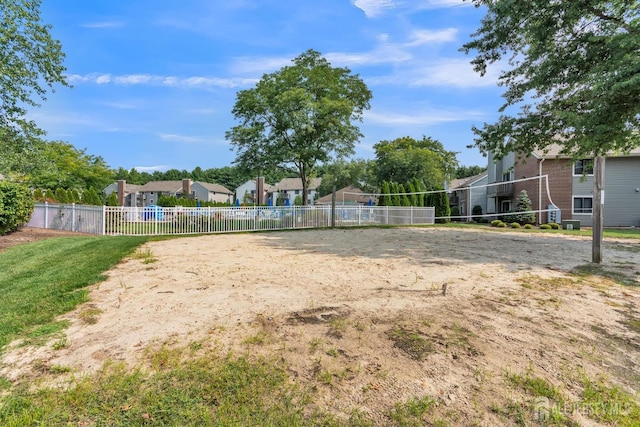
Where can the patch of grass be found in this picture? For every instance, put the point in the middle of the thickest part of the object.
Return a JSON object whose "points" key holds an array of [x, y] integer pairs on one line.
{"points": [[608, 404], [411, 342], [145, 255], [412, 412], [531, 281], [597, 270], [89, 316], [40, 335], [207, 390], [44, 279]]}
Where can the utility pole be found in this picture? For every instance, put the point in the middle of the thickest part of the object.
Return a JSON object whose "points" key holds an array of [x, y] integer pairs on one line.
{"points": [[598, 206]]}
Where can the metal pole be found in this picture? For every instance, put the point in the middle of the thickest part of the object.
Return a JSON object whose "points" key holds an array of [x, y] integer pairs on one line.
{"points": [[598, 203]]}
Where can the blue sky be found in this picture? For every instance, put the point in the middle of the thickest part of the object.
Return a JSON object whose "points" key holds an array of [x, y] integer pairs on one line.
{"points": [[154, 82]]}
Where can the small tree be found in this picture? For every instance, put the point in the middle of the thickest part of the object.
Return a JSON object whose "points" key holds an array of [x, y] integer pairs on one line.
{"points": [[61, 195], [413, 197], [16, 206], [112, 199], [91, 197], [523, 204], [383, 200]]}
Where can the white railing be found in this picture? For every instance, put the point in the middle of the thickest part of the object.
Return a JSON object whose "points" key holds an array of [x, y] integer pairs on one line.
{"points": [[150, 221]]}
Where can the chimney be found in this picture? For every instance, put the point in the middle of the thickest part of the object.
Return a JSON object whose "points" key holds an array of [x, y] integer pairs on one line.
{"points": [[186, 188], [260, 190], [122, 188]]}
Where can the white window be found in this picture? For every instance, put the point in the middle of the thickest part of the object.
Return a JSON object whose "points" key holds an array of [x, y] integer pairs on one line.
{"points": [[584, 166], [583, 205], [505, 206]]}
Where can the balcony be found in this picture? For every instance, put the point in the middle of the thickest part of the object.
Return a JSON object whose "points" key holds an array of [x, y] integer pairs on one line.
{"points": [[500, 190]]}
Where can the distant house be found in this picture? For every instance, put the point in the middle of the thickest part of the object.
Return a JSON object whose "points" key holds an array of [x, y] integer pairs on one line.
{"points": [[149, 193], [466, 193], [292, 187], [570, 186], [131, 192], [247, 192], [349, 195], [207, 192]]}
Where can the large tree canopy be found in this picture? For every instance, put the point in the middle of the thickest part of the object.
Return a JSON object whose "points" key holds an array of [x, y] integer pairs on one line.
{"points": [[30, 64], [573, 72], [70, 168], [406, 159], [299, 116]]}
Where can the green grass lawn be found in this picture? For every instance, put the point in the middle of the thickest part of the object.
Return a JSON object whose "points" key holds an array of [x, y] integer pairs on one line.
{"points": [[42, 280]]}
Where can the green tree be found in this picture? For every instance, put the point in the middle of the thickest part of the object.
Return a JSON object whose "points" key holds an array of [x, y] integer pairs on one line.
{"points": [[405, 159], [91, 197], [341, 173], [112, 199], [413, 197], [16, 206], [31, 64], [572, 80], [384, 199], [298, 117], [523, 204], [71, 168], [419, 187], [61, 195], [469, 171]]}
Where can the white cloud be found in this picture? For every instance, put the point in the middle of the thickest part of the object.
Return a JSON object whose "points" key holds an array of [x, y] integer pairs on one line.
{"points": [[187, 139], [195, 82], [105, 24], [447, 72], [151, 168], [422, 37], [373, 8], [423, 118]]}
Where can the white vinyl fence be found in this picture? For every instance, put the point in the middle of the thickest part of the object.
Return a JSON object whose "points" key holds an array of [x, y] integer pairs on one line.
{"points": [[150, 221]]}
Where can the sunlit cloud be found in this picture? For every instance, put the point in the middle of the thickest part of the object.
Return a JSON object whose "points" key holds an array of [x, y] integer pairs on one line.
{"points": [[104, 25], [423, 118], [193, 82], [151, 168], [373, 8], [189, 139]]}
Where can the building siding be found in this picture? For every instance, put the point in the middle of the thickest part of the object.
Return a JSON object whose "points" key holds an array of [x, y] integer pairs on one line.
{"points": [[622, 201]]}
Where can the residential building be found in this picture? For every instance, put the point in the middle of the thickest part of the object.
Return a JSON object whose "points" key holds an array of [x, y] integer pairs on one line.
{"points": [[349, 195], [208, 192], [130, 192], [247, 192], [290, 188], [466, 193], [569, 190], [149, 193]]}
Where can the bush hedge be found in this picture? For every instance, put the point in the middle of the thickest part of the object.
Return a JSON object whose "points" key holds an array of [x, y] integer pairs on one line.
{"points": [[16, 206]]}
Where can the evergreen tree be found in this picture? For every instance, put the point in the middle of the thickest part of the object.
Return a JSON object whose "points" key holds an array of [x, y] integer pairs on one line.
{"points": [[413, 198], [61, 195], [523, 204], [91, 197], [383, 200]]}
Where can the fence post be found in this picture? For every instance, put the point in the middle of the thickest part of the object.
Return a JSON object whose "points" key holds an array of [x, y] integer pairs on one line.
{"points": [[104, 220], [73, 217], [46, 214]]}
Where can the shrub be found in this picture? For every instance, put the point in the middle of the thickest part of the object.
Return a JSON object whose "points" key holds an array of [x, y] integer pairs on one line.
{"points": [[455, 211], [16, 206], [495, 222], [528, 226], [515, 225], [545, 227], [501, 225], [554, 225]]}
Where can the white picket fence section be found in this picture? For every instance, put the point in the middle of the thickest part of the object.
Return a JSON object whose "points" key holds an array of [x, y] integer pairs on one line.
{"points": [[152, 221]]}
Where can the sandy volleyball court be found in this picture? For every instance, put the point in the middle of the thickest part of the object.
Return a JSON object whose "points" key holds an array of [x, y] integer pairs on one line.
{"points": [[337, 301]]}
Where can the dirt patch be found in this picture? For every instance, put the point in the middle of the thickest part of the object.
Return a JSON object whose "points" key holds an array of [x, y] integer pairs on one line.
{"points": [[29, 234], [363, 314]]}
